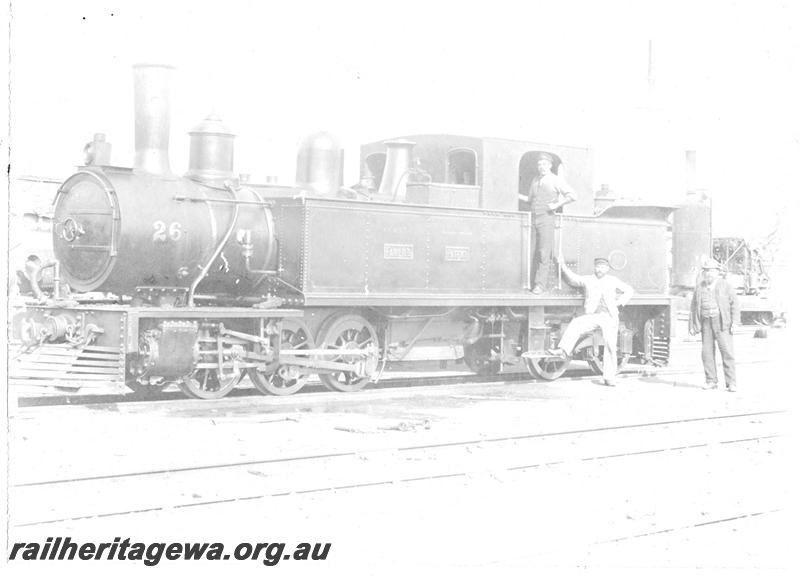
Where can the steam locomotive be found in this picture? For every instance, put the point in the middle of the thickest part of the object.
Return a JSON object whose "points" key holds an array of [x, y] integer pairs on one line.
{"points": [[207, 278]]}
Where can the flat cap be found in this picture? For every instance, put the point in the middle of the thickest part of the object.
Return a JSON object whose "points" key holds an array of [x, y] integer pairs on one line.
{"points": [[546, 156], [601, 260]]}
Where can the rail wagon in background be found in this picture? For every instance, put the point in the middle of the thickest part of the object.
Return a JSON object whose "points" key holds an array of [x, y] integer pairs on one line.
{"points": [[205, 279]]}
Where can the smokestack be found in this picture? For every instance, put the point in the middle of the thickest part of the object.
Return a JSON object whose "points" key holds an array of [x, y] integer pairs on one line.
{"points": [[151, 110], [691, 171]]}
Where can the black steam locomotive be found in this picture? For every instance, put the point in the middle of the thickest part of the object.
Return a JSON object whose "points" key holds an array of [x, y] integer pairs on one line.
{"points": [[206, 278]]}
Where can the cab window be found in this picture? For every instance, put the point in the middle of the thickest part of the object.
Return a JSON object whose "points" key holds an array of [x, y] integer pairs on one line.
{"points": [[462, 165]]}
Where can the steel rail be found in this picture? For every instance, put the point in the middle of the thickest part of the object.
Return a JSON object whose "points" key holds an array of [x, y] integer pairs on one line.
{"points": [[327, 455], [688, 526], [399, 383], [397, 481]]}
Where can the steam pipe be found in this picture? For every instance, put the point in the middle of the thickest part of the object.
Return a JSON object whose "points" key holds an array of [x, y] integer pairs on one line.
{"points": [[33, 271], [220, 246]]}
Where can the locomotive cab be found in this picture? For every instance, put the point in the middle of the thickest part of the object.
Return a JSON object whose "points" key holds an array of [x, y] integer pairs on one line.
{"points": [[485, 173]]}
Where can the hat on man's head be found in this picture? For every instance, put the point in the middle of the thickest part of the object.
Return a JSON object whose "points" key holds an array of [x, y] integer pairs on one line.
{"points": [[601, 260], [546, 156], [710, 264]]}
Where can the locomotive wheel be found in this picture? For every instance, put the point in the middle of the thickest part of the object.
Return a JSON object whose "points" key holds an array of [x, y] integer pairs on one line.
{"points": [[478, 357], [547, 368], [206, 384], [596, 363], [348, 332], [295, 335]]}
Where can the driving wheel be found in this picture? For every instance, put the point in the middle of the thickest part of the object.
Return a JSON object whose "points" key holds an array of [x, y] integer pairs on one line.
{"points": [[349, 332], [547, 368], [596, 362], [285, 380]]}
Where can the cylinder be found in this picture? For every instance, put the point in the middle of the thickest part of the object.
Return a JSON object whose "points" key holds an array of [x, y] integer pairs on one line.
{"points": [[320, 161], [151, 114], [211, 150], [395, 171]]}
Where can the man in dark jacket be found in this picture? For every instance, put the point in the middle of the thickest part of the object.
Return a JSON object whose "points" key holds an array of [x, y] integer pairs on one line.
{"points": [[715, 310], [547, 194]]}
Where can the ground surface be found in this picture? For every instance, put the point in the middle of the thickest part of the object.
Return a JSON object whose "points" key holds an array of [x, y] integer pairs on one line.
{"points": [[653, 476]]}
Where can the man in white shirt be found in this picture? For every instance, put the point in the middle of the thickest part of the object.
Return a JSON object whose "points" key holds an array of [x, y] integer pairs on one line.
{"points": [[603, 295]]}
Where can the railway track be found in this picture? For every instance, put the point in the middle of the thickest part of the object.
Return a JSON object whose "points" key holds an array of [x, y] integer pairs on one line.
{"points": [[576, 375], [45, 501], [691, 526]]}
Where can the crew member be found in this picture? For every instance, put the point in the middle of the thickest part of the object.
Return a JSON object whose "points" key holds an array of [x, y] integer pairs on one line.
{"points": [[27, 282], [603, 295], [547, 194], [714, 311]]}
